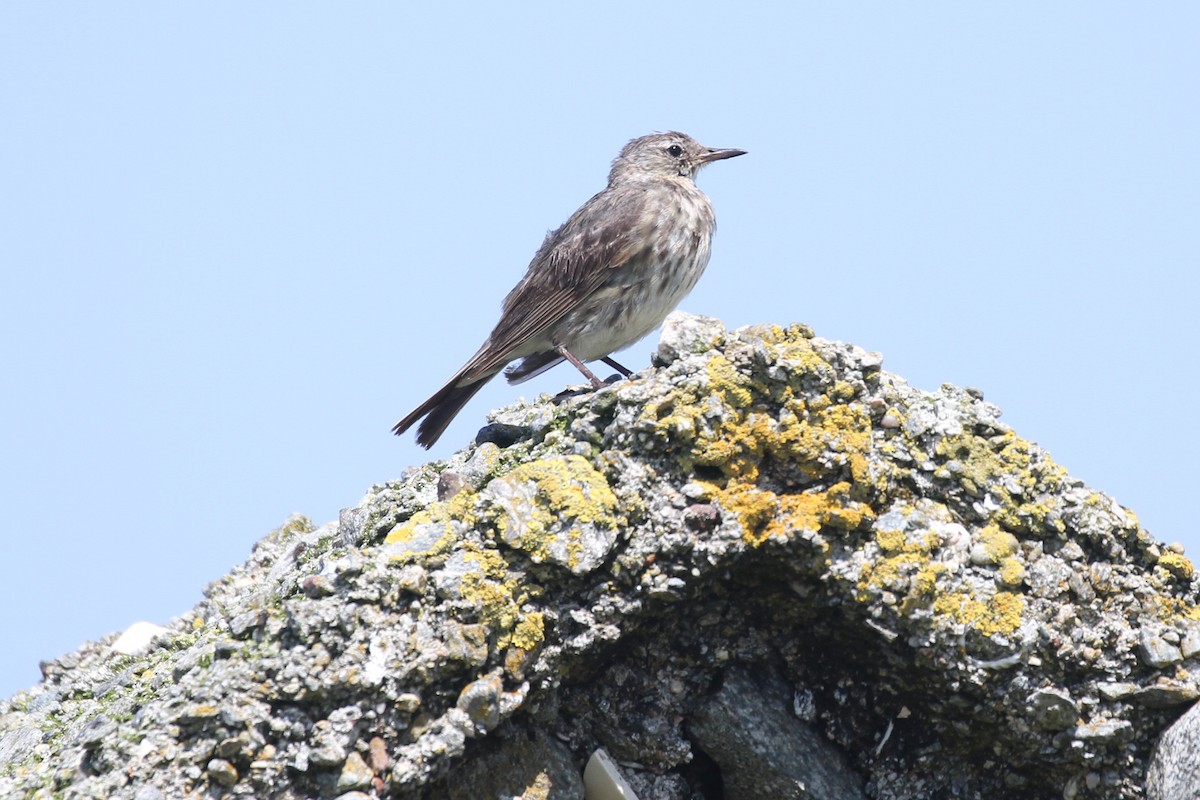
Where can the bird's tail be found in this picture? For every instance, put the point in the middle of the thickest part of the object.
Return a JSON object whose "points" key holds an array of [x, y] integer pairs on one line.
{"points": [[440, 409]]}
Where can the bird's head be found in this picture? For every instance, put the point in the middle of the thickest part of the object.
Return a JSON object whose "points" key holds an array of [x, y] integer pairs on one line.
{"points": [[670, 154]]}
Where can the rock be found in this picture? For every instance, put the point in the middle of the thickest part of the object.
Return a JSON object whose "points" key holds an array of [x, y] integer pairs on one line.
{"points": [[602, 779], [763, 750], [525, 767], [1052, 710], [1156, 651], [502, 434], [315, 586], [1175, 766], [480, 700], [559, 510], [18, 741], [222, 773], [1165, 693], [450, 484], [687, 333], [702, 516], [355, 774], [751, 567]]}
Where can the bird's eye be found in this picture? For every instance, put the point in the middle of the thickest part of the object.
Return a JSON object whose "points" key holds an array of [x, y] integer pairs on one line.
{"points": [[675, 151]]}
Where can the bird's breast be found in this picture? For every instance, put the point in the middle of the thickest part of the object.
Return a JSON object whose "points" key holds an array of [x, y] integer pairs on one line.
{"points": [[675, 242]]}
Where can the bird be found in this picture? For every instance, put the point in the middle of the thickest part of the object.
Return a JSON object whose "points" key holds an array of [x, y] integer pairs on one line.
{"points": [[601, 281]]}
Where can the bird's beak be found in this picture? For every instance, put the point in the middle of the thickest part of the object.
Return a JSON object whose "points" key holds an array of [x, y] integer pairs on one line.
{"points": [[716, 154]]}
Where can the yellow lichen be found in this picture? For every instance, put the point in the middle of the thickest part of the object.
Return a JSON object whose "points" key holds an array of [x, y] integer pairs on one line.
{"points": [[557, 491], [529, 631], [891, 573], [1000, 613], [811, 442], [497, 594], [459, 509], [793, 346], [843, 391], [840, 434], [998, 543], [725, 430], [1172, 608], [757, 510], [991, 464], [497, 609], [925, 581], [891, 541], [725, 379], [897, 540], [905, 566], [765, 514], [1177, 564], [1012, 571]]}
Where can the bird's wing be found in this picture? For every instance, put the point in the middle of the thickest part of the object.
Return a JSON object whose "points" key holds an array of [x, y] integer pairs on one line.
{"points": [[573, 261]]}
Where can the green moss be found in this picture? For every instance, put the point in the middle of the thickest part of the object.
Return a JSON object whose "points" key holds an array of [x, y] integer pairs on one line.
{"points": [[295, 526]]}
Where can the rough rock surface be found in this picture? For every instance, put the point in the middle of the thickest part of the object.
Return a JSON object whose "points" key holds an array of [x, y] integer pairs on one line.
{"points": [[1175, 766], [952, 614]]}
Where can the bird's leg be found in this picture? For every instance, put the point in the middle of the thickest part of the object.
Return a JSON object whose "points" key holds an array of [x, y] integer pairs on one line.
{"points": [[587, 373], [612, 363]]}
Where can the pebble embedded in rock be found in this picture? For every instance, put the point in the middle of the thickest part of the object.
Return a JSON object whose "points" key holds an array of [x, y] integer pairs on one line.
{"points": [[316, 586], [702, 516], [481, 701], [764, 751], [355, 774], [222, 772], [1053, 709], [501, 434], [1155, 651], [450, 484]]}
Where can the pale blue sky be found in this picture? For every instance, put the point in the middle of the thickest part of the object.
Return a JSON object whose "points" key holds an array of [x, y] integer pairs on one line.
{"points": [[241, 240]]}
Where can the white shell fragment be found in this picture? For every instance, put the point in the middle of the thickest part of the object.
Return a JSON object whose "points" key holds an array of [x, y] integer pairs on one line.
{"points": [[137, 637], [602, 780]]}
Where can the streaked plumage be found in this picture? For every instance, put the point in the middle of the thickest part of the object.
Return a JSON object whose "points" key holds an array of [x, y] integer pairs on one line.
{"points": [[607, 277]]}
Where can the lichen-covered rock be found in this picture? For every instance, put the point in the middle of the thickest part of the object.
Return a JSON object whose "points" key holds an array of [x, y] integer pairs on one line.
{"points": [[950, 610]]}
